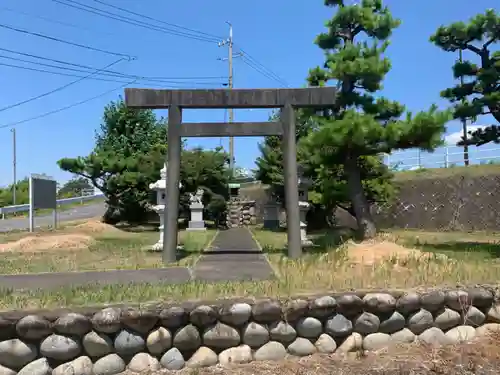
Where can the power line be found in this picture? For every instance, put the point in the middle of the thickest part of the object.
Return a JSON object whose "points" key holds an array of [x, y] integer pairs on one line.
{"points": [[131, 21], [56, 89], [102, 72], [64, 41], [64, 108], [215, 37], [57, 22], [189, 84], [261, 68]]}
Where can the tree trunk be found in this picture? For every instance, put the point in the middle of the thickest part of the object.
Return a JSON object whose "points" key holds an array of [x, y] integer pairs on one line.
{"points": [[360, 205]]}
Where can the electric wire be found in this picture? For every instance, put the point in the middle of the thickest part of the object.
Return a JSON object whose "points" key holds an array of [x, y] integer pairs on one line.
{"points": [[57, 89], [12, 124], [157, 83], [131, 21], [111, 72], [104, 72], [215, 37], [48, 37], [261, 68]]}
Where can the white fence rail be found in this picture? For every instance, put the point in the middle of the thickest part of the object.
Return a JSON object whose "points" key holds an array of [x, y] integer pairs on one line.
{"points": [[443, 157], [60, 202]]}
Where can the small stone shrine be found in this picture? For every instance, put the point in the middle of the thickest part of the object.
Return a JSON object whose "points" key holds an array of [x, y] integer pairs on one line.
{"points": [[160, 187], [196, 208], [304, 185]]}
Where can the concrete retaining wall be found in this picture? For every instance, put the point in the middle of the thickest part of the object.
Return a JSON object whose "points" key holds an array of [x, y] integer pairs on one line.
{"points": [[111, 340]]}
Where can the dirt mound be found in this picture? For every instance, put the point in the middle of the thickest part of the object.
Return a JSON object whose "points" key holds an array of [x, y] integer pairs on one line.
{"points": [[94, 226], [371, 252], [43, 243]]}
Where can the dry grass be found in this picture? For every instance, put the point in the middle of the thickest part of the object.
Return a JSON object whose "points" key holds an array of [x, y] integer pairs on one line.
{"points": [[326, 268], [91, 245], [480, 357]]}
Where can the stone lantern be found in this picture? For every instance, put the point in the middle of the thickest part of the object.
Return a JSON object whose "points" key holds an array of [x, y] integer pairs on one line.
{"points": [[160, 187], [304, 185]]}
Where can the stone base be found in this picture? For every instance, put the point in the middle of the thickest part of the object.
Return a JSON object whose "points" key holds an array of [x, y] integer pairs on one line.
{"points": [[271, 224], [196, 225]]}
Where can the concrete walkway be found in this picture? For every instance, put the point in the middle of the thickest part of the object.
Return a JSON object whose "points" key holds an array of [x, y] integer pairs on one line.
{"points": [[233, 256]]}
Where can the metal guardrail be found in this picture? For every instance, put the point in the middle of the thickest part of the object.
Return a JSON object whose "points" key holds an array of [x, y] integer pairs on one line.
{"points": [[60, 202]]}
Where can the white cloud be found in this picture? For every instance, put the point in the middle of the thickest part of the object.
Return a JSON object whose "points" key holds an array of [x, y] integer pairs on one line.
{"points": [[453, 138]]}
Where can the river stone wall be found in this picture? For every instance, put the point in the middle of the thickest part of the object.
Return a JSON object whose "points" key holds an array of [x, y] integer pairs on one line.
{"points": [[111, 340]]}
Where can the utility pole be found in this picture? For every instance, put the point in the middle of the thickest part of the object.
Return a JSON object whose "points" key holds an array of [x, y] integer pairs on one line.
{"points": [[464, 121], [229, 43], [14, 165]]}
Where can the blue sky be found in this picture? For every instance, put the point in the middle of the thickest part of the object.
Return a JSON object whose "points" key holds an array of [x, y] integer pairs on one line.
{"points": [[279, 34]]}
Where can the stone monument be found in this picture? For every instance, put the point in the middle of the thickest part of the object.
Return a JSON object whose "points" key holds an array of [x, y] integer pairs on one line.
{"points": [[196, 208], [160, 187], [304, 185], [272, 211]]}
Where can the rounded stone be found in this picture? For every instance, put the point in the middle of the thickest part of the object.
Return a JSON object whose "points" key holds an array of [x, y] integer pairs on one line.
{"points": [[488, 329], [338, 326], [236, 314], [392, 323], [238, 355], [295, 310], [187, 338], [349, 304], [267, 311], [325, 344], [379, 302], [481, 297], [159, 341], [112, 364], [61, 348], [352, 343], [80, 366], [493, 314], [376, 341], [203, 357], [107, 320], [7, 329], [141, 321], [301, 347], [6, 371], [173, 359], [461, 334], [405, 336], [474, 317], [255, 335], [221, 336], [73, 324], [271, 351], [457, 300], [408, 303], [15, 354], [434, 336], [366, 323], [433, 301], [447, 319], [309, 328], [97, 344], [143, 362], [322, 307], [173, 317], [420, 321], [128, 343], [282, 332], [203, 316], [33, 327], [39, 367]]}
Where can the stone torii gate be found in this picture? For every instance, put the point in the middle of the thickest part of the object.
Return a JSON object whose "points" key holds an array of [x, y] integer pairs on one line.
{"points": [[284, 99]]}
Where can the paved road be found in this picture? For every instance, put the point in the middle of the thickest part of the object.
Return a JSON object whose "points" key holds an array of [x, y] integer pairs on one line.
{"points": [[75, 213]]}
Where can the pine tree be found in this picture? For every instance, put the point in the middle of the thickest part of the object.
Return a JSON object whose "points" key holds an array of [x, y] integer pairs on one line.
{"points": [[362, 123], [480, 95]]}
